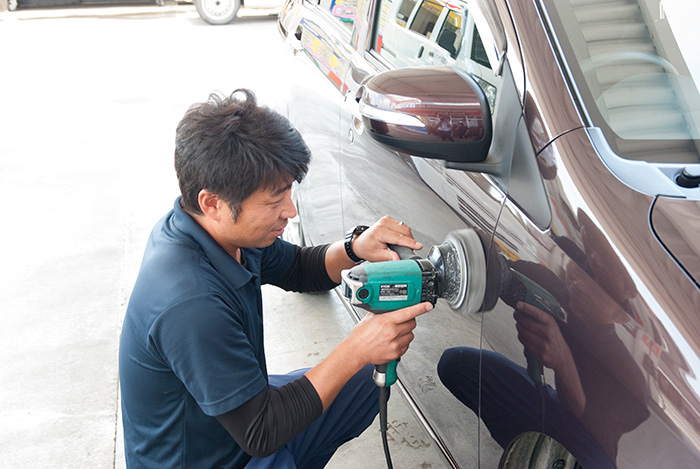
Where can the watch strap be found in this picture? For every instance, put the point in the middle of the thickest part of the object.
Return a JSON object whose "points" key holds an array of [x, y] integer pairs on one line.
{"points": [[349, 237]]}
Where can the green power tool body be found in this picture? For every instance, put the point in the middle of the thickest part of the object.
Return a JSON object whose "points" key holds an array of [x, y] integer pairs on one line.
{"points": [[388, 286], [381, 287]]}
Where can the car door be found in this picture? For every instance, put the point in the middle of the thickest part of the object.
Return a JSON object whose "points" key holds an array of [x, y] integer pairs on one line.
{"points": [[605, 290], [431, 198]]}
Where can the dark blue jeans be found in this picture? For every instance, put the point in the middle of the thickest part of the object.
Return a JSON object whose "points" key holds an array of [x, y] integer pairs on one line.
{"points": [[346, 418], [509, 403]]}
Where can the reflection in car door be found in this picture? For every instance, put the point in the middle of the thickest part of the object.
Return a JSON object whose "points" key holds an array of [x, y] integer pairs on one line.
{"points": [[321, 42], [434, 201]]}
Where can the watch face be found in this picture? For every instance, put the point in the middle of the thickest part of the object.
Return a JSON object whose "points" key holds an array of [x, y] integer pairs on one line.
{"points": [[359, 229], [355, 231]]}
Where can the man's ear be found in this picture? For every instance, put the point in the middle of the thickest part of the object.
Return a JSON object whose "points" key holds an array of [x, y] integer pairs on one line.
{"points": [[210, 204]]}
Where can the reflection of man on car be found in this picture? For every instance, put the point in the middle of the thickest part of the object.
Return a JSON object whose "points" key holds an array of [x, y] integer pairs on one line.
{"points": [[443, 128], [449, 128], [600, 392]]}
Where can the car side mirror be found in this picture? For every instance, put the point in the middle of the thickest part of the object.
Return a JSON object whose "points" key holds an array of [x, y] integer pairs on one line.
{"points": [[432, 112]]}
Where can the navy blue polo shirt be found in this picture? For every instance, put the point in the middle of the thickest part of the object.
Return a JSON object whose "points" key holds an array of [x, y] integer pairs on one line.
{"points": [[192, 344]]}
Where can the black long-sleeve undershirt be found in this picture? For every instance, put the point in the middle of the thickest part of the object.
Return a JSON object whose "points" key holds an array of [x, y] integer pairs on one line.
{"points": [[308, 271], [268, 421]]}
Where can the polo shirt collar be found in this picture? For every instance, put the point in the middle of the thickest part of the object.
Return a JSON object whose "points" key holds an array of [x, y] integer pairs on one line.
{"points": [[222, 261]]}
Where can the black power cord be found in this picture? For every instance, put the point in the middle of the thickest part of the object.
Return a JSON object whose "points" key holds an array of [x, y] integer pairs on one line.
{"points": [[383, 399]]}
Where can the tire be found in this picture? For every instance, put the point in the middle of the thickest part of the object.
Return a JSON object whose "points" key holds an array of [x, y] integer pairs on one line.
{"points": [[217, 11], [535, 450]]}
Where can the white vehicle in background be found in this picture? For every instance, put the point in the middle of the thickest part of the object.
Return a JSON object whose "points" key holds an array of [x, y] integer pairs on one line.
{"points": [[435, 32], [224, 11]]}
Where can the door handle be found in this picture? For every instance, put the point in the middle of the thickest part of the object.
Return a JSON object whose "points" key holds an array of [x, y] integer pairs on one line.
{"points": [[295, 41], [352, 104]]}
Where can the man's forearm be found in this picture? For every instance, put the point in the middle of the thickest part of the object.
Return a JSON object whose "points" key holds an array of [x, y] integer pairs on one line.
{"points": [[337, 260], [329, 376], [375, 340], [269, 420]]}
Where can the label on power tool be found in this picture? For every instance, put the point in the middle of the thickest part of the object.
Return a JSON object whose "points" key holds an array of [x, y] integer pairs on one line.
{"points": [[393, 292]]}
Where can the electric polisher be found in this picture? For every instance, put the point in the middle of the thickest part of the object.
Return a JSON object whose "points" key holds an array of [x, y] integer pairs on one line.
{"points": [[454, 271]]}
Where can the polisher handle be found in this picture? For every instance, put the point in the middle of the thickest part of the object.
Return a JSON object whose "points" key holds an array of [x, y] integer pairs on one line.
{"points": [[403, 252], [534, 369], [385, 375]]}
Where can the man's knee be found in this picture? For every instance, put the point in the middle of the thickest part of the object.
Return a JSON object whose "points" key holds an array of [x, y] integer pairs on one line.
{"points": [[459, 366], [361, 385]]}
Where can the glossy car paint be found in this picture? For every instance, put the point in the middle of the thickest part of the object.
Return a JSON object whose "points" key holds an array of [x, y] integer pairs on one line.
{"points": [[625, 263]]}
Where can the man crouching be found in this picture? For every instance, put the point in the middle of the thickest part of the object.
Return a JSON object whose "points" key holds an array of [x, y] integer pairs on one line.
{"points": [[194, 382]]}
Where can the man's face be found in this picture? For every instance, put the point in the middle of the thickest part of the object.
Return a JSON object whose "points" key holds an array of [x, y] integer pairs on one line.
{"points": [[261, 219]]}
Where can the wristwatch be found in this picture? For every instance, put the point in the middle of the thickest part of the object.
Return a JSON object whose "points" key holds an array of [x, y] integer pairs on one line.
{"points": [[349, 237]]}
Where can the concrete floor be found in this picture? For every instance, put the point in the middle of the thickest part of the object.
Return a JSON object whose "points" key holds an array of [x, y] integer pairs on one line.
{"points": [[88, 108]]}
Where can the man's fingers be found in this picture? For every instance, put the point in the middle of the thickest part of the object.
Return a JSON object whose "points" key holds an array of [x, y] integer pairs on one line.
{"points": [[411, 312], [397, 232], [403, 237], [372, 244], [533, 312]]}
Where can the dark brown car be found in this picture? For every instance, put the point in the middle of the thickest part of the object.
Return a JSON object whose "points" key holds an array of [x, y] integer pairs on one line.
{"points": [[564, 133]]}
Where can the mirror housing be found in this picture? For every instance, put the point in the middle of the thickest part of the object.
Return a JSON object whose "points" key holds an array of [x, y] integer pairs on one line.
{"points": [[432, 112]]}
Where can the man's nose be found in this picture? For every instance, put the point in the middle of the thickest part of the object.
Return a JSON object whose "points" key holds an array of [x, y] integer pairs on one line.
{"points": [[288, 210]]}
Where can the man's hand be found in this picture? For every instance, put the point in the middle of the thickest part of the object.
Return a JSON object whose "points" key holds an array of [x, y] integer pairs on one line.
{"points": [[373, 244], [377, 339], [541, 336], [381, 338]]}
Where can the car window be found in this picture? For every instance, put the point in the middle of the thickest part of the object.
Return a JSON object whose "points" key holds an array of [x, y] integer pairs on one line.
{"points": [[404, 11], [478, 52], [413, 33], [637, 70], [426, 17]]}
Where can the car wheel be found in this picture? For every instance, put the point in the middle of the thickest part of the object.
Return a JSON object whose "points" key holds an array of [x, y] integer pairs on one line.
{"points": [[534, 449], [217, 11]]}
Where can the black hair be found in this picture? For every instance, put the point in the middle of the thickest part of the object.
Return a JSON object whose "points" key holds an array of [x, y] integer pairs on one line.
{"points": [[232, 147]]}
